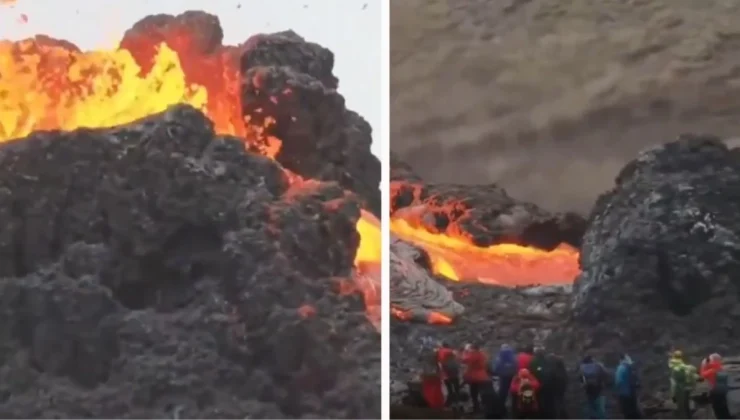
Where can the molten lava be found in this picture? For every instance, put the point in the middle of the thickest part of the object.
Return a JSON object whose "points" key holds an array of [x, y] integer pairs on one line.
{"points": [[456, 257], [49, 84], [368, 265], [46, 84]]}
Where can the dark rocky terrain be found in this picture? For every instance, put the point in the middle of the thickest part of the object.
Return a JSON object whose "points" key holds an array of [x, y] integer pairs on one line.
{"points": [[158, 270], [657, 257]]}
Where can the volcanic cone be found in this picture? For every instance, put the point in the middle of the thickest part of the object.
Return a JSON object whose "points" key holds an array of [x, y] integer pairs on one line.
{"points": [[189, 230]]}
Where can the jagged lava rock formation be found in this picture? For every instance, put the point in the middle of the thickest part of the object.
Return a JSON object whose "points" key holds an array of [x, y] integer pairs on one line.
{"points": [[660, 258], [321, 138], [155, 268]]}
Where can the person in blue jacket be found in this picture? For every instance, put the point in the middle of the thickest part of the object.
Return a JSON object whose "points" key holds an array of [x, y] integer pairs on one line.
{"points": [[627, 386], [505, 367]]}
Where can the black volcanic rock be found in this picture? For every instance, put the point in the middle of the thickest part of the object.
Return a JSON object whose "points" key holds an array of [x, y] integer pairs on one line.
{"points": [[401, 171], [659, 261], [155, 270], [485, 213], [666, 238], [287, 48], [292, 85]]}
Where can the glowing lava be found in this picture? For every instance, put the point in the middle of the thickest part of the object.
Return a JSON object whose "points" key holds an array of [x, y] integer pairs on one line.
{"points": [[49, 84], [46, 85], [368, 265], [456, 257]]}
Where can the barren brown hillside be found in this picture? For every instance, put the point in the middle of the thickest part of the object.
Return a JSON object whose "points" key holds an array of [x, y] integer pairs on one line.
{"points": [[551, 97]]}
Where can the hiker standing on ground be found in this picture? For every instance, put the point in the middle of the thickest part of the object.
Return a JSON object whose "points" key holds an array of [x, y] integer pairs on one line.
{"points": [[524, 390], [541, 369], [476, 373], [505, 368], [714, 373], [493, 408], [558, 378], [683, 380], [449, 372], [626, 383], [593, 379]]}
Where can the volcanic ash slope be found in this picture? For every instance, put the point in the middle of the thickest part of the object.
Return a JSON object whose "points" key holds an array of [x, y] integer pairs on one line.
{"points": [[535, 94]]}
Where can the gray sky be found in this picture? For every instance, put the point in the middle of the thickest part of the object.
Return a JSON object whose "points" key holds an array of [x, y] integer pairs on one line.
{"points": [[343, 26]]}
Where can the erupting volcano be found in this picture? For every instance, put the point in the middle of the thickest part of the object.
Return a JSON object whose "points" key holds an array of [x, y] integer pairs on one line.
{"points": [[176, 208], [479, 233], [47, 84]]}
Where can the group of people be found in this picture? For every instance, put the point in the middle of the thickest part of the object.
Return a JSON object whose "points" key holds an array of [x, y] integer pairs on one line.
{"points": [[684, 377], [531, 383]]}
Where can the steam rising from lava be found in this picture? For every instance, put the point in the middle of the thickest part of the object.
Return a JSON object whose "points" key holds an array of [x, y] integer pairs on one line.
{"points": [[48, 84]]}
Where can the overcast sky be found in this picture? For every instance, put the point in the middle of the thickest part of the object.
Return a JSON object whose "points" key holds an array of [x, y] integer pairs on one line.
{"points": [[350, 28]]}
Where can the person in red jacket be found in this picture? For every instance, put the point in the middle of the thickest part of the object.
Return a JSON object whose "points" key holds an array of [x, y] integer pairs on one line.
{"points": [[476, 372], [524, 395], [713, 372], [525, 356]]}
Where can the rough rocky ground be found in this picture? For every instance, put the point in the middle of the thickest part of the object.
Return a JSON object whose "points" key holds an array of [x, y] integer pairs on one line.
{"points": [[156, 267], [550, 98]]}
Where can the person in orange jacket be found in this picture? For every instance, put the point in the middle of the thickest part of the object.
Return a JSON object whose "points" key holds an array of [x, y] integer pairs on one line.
{"points": [[524, 389], [476, 372], [449, 371], [713, 372]]}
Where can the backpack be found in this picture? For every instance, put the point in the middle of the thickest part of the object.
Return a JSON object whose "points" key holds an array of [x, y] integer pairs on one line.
{"points": [[508, 369], [559, 375], [593, 378], [527, 398], [721, 382], [680, 377]]}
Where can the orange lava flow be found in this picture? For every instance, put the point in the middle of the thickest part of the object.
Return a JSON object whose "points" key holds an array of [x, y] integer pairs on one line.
{"points": [[368, 265], [458, 259], [47, 84]]}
